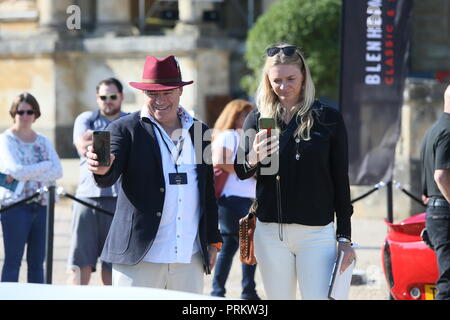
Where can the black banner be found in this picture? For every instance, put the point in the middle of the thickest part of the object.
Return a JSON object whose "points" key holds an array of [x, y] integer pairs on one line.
{"points": [[375, 48]]}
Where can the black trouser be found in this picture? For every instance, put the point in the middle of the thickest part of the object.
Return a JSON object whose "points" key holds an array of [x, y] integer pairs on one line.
{"points": [[438, 227]]}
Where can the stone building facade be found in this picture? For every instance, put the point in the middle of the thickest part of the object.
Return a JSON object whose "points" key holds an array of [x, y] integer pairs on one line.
{"points": [[45, 52]]}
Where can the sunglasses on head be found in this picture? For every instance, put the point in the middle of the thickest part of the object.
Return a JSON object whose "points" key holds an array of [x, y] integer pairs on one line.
{"points": [[288, 50], [112, 96], [22, 112]]}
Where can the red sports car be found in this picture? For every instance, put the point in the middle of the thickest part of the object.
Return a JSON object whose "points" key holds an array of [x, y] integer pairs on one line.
{"points": [[409, 264]]}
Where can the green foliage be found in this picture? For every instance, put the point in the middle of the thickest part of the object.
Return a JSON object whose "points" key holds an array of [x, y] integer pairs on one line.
{"points": [[313, 26]]}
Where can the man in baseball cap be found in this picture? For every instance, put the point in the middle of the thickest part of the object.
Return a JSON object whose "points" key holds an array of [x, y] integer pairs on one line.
{"points": [[165, 229]]}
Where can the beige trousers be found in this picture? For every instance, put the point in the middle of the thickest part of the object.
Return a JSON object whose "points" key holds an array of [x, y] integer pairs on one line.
{"points": [[187, 277]]}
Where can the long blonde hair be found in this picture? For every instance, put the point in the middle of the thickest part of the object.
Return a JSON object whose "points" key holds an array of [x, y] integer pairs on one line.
{"points": [[268, 103]]}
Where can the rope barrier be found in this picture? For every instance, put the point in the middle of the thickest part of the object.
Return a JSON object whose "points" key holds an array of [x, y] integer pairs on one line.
{"points": [[409, 194], [376, 187], [61, 192], [18, 203], [68, 195]]}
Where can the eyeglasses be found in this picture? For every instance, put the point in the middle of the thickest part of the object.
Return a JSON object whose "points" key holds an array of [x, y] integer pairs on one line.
{"points": [[22, 112], [288, 50], [112, 96]]}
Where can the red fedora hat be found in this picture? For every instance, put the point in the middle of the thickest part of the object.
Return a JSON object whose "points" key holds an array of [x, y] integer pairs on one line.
{"points": [[160, 74]]}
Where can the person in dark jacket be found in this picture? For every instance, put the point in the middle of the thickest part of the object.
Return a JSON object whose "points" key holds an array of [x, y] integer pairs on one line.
{"points": [[435, 158], [302, 180], [164, 233]]}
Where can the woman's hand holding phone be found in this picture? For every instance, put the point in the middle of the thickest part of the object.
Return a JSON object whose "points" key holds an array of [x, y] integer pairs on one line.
{"points": [[263, 146]]}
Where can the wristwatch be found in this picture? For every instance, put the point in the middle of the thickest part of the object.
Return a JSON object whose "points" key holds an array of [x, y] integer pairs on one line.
{"points": [[344, 239]]}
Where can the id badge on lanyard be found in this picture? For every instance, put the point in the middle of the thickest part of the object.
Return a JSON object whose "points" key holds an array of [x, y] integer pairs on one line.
{"points": [[178, 178]]}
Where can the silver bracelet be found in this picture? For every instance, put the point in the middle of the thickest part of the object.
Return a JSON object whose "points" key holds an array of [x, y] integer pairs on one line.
{"points": [[248, 164], [342, 239]]}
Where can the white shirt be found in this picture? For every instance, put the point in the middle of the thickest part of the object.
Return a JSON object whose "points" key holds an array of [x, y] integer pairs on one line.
{"points": [[176, 239], [34, 165], [229, 139]]}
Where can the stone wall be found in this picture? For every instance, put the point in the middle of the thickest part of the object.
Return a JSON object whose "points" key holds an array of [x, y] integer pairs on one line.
{"points": [[423, 103], [430, 48], [32, 74], [62, 74]]}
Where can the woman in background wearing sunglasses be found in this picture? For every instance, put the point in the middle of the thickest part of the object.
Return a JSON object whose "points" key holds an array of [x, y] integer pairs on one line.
{"points": [[295, 239], [29, 162]]}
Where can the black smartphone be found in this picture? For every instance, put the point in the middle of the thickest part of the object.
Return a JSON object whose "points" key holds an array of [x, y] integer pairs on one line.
{"points": [[266, 123], [102, 147]]}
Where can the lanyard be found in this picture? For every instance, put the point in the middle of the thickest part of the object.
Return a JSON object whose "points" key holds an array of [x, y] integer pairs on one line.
{"points": [[179, 149]]}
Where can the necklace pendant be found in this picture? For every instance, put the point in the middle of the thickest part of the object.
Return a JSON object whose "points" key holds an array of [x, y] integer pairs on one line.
{"points": [[297, 156]]}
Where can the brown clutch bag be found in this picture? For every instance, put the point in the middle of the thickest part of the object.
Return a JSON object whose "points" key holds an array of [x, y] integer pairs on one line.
{"points": [[247, 227]]}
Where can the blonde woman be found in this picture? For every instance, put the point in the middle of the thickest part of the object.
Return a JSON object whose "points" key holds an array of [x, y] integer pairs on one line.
{"points": [[295, 238], [235, 199]]}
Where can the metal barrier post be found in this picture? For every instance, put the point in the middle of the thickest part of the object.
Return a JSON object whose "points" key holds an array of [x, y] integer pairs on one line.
{"points": [[49, 235], [390, 203]]}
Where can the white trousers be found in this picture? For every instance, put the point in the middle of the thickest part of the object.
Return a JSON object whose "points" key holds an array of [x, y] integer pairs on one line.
{"points": [[186, 277], [306, 255]]}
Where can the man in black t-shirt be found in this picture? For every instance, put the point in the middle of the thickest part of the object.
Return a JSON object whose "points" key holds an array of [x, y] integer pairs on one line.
{"points": [[435, 156]]}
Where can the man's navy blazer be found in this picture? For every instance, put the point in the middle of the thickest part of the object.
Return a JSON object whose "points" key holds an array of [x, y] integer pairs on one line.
{"points": [[141, 195]]}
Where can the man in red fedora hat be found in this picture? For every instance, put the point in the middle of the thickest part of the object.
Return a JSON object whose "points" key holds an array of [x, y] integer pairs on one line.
{"points": [[165, 229]]}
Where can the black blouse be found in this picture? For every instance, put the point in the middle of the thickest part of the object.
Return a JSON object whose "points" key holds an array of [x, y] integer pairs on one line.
{"points": [[315, 185]]}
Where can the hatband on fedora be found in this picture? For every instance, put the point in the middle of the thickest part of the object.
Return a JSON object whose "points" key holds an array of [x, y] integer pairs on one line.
{"points": [[160, 74]]}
